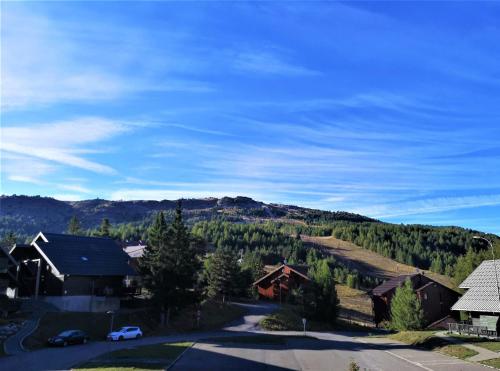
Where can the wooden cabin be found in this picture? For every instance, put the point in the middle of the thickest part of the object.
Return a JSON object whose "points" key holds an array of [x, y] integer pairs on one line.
{"points": [[435, 298], [277, 284]]}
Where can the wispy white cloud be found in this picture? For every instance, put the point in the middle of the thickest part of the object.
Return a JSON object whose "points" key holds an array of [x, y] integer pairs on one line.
{"points": [[431, 205], [50, 62], [24, 168], [268, 62], [60, 142], [74, 188], [197, 129], [18, 168], [25, 179]]}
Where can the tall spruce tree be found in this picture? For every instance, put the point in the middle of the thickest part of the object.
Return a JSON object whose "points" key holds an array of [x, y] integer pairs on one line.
{"points": [[170, 263], [406, 309], [104, 229], [326, 301], [222, 274], [74, 226]]}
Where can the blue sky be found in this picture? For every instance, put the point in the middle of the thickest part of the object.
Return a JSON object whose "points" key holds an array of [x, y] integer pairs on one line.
{"points": [[391, 110]]}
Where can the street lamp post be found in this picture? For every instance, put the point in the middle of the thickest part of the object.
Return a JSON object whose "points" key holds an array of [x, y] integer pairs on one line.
{"points": [[112, 319], [494, 263]]}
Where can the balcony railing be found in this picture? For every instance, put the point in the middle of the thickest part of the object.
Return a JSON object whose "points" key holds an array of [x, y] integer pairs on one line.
{"points": [[468, 329]]}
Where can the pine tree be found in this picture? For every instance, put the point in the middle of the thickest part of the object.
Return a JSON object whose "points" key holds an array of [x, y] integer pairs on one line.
{"points": [[170, 263], [8, 240], [252, 262], [406, 309], [74, 226], [437, 264], [104, 228], [222, 274], [326, 300]]}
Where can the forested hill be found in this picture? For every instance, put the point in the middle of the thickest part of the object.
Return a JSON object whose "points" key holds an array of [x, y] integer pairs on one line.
{"points": [[244, 224], [26, 215]]}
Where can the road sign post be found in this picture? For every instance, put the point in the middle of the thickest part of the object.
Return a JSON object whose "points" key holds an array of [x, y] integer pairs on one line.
{"points": [[304, 321]]}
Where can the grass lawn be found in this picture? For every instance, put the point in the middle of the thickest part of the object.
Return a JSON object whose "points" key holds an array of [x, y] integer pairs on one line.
{"points": [[147, 357], [96, 325], [495, 362], [412, 337], [213, 316], [427, 340], [457, 350], [481, 342], [490, 345], [286, 318]]}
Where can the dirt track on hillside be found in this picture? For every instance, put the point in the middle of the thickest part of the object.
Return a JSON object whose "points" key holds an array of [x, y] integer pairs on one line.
{"points": [[368, 262]]}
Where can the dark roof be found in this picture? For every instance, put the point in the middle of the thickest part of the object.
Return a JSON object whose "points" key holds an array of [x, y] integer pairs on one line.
{"points": [[391, 284], [84, 256], [300, 269]]}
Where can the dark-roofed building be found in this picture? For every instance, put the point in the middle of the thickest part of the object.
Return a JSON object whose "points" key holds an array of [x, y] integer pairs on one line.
{"points": [[277, 284], [482, 299], [436, 299], [74, 273]]}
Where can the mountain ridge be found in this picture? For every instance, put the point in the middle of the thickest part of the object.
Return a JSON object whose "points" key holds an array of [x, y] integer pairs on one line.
{"points": [[29, 214]]}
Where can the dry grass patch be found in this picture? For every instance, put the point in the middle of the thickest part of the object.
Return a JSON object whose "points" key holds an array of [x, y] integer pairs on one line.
{"points": [[495, 362], [147, 357], [428, 340], [354, 303], [456, 350], [412, 337], [490, 345]]}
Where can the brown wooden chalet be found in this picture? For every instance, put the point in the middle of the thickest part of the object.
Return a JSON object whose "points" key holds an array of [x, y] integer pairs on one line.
{"points": [[74, 273], [277, 284], [436, 299]]}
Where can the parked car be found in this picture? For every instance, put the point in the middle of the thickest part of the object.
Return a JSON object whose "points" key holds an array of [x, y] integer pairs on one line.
{"points": [[69, 337], [124, 333]]}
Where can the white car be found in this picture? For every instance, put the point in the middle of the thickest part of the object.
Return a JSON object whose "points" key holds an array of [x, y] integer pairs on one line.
{"points": [[125, 333]]}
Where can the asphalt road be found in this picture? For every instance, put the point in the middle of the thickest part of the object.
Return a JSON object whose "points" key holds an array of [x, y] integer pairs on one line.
{"points": [[329, 352], [325, 352]]}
